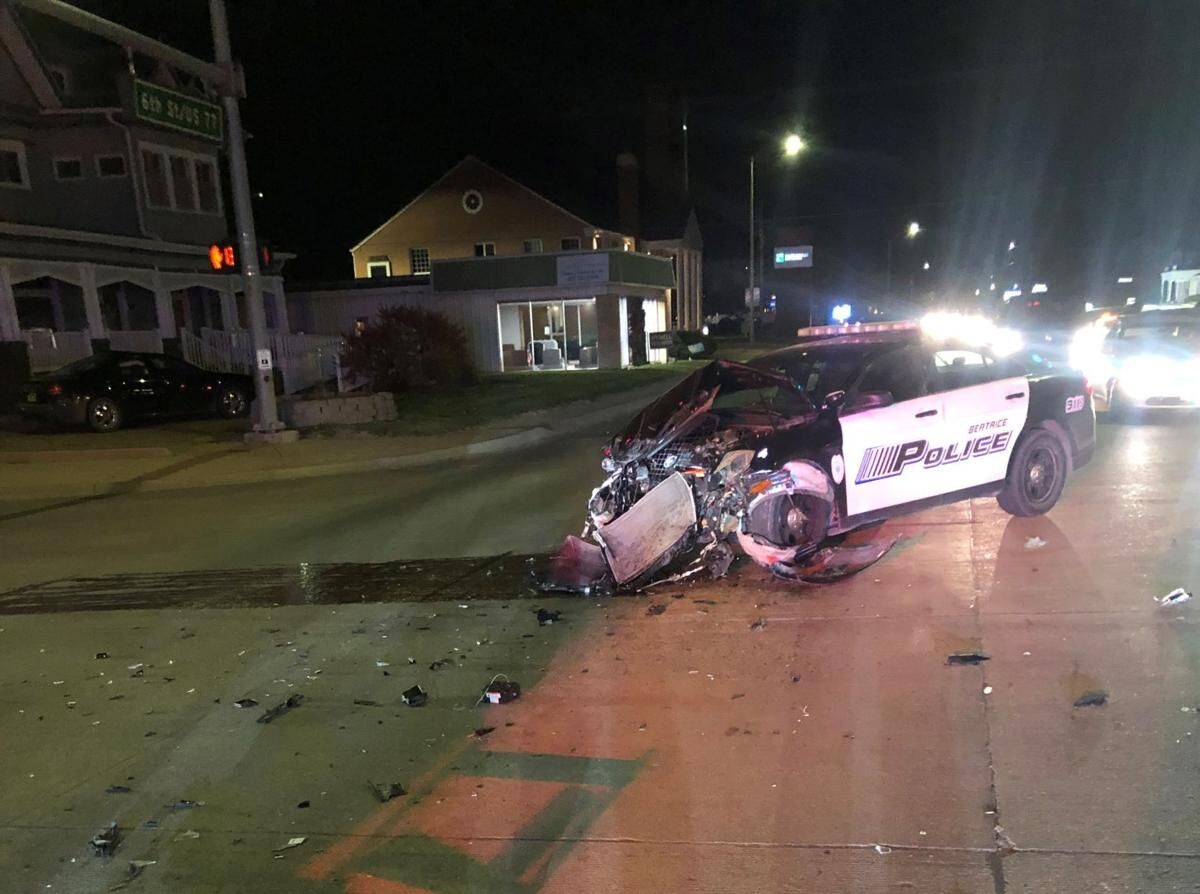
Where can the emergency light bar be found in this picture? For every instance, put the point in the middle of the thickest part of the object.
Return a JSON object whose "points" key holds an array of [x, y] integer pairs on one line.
{"points": [[857, 328]]}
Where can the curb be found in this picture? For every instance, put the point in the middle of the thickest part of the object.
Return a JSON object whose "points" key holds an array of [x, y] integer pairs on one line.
{"points": [[16, 457]]}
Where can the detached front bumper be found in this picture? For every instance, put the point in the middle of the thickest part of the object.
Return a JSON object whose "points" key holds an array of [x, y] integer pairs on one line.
{"points": [[644, 538]]}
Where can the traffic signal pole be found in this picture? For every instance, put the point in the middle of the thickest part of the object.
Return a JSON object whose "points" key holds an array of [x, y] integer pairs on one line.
{"points": [[266, 416]]}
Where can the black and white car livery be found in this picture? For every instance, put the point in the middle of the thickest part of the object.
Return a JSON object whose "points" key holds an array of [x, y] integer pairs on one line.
{"points": [[851, 426]]}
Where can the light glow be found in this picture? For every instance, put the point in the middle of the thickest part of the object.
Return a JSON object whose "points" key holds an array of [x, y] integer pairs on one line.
{"points": [[841, 313], [1124, 279], [971, 329], [793, 145], [1038, 288], [913, 231]]}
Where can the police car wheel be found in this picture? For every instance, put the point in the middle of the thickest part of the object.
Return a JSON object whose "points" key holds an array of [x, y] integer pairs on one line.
{"points": [[1036, 476]]}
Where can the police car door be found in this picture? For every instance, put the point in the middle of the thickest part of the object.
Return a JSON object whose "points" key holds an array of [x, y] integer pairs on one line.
{"points": [[884, 447], [985, 411]]}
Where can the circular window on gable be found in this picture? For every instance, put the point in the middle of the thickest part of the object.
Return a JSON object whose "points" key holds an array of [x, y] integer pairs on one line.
{"points": [[472, 201]]}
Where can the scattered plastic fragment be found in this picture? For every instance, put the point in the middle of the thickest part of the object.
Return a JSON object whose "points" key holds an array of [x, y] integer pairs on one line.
{"points": [[1176, 597], [440, 663], [302, 805], [100, 656], [1004, 844], [245, 703], [546, 617], [882, 849], [185, 804], [383, 664], [118, 790], [291, 843], [987, 690], [656, 609], [501, 692], [136, 866], [483, 731], [967, 658], [105, 842], [1034, 543], [759, 624], [187, 835], [366, 703], [1092, 698], [385, 791], [282, 708], [414, 697]]}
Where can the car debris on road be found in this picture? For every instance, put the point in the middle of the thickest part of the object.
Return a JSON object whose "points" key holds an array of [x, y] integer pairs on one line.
{"points": [[293, 701], [385, 791], [501, 692], [107, 840], [967, 658], [1176, 597], [414, 696], [1092, 698]]}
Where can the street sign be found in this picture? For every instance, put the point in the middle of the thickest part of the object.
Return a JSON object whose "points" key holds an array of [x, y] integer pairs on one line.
{"points": [[264, 358], [660, 340], [757, 296], [178, 111], [793, 256]]}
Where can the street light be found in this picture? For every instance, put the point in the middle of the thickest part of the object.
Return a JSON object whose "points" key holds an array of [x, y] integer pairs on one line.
{"points": [[925, 266], [911, 232], [793, 145]]}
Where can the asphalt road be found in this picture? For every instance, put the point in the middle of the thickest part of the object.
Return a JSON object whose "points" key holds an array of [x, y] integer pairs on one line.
{"points": [[753, 736], [521, 502]]}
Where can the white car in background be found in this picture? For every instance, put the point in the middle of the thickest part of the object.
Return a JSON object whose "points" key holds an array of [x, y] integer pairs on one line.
{"points": [[1148, 360]]}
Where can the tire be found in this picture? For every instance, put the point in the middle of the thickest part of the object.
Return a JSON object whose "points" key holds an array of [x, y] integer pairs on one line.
{"points": [[232, 403], [104, 415], [1036, 475]]}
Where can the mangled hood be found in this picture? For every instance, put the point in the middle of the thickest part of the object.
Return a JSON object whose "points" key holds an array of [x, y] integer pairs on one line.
{"points": [[663, 419]]}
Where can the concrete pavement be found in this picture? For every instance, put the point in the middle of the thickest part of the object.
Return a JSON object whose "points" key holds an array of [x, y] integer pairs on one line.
{"points": [[830, 750]]}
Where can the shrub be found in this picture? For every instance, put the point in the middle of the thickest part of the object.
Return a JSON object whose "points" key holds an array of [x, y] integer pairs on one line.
{"points": [[409, 349]]}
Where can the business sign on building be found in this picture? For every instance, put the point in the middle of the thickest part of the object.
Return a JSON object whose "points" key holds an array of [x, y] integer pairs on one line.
{"points": [[660, 340], [178, 111], [793, 256], [586, 269]]}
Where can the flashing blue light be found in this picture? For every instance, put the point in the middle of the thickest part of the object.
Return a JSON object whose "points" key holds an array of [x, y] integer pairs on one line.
{"points": [[840, 313]]}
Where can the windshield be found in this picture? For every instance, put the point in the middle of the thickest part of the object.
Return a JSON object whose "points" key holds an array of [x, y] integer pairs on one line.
{"points": [[820, 370], [728, 387], [84, 364], [1179, 339]]}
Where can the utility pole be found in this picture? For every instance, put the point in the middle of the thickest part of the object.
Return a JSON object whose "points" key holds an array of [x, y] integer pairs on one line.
{"points": [[266, 417], [750, 259]]}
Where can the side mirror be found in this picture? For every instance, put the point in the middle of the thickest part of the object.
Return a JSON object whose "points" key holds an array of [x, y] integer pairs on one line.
{"points": [[834, 400], [871, 400]]}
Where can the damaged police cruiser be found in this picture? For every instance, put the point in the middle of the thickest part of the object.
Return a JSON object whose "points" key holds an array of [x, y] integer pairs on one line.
{"points": [[780, 458]]}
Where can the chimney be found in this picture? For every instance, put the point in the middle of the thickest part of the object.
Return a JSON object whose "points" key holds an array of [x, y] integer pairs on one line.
{"points": [[627, 194]]}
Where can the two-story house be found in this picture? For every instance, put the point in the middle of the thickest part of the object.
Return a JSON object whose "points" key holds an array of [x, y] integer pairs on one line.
{"points": [[107, 211], [534, 286]]}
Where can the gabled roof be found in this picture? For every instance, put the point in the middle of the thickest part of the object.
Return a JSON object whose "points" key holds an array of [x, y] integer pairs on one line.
{"points": [[20, 47], [470, 159]]}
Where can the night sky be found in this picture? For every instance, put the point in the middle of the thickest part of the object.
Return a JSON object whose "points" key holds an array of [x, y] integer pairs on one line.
{"points": [[1072, 128]]}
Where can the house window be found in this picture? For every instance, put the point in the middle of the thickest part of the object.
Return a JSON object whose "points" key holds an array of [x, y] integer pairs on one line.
{"points": [[570, 243], [180, 180], [418, 259], [485, 249], [182, 184], [110, 165], [68, 169], [13, 171], [158, 194], [379, 266], [532, 246], [206, 186]]}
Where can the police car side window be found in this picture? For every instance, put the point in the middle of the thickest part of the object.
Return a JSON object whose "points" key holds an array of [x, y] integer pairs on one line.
{"points": [[902, 372], [961, 368]]}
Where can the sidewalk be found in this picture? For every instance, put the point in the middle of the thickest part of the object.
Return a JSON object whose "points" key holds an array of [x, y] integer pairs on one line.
{"points": [[193, 455]]}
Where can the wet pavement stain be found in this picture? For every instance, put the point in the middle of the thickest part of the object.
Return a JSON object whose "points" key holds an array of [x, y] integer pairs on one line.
{"points": [[501, 577]]}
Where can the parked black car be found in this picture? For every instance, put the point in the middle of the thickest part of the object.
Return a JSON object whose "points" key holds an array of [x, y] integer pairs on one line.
{"points": [[106, 391]]}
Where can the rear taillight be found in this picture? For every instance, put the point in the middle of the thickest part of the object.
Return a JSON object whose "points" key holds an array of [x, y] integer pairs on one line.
{"points": [[54, 390]]}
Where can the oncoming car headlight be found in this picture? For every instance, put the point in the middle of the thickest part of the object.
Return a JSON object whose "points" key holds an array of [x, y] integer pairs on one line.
{"points": [[973, 330]]}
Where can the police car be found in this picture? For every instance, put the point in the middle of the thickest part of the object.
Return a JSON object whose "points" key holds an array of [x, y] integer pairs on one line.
{"points": [[937, 410], [851, 426]]}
